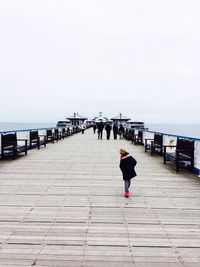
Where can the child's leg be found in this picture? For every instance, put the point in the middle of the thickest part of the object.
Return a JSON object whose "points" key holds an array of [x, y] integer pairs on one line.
{"points": [[129, 184], [126, 185]]}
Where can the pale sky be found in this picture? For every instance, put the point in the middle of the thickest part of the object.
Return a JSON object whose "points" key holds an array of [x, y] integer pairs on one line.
{"points": [[138, 57]]}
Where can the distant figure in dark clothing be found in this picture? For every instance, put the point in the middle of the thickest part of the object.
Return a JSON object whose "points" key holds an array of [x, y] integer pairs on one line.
{"points": [[76, 129], [108, 129], [94, 127], [121, 131], [68, 132], [100, 130], [127, 166], [82, 129], [115, 131]]}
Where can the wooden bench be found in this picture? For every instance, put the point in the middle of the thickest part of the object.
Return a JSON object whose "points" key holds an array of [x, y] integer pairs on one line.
{"points": [[69, 132], [156, 145], [49, 136], [63, 133], [139, 138], [57, 135], [36, 140], [132, 135], [128, 134], [75, 130], [66, 132], [9, 146], [183, 155]]}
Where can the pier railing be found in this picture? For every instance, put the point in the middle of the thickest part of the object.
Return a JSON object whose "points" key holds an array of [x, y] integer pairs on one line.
{"points": [[25, 133], [171, 140], [168, 140]]}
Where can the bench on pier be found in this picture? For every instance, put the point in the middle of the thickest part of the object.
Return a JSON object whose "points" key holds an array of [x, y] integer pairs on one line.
{"points": [[156, 145], [66, 133], [183, 155], [129, 134], [69, 132], [36, 140], [73, 131], [57, 135], [10, 147], [76, 130], [138, 139], [126, 134], [63, 133], [132, 135], [49, 136]]}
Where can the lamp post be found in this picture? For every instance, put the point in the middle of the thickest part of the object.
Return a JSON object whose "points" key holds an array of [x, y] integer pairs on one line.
{"points": [[74, 118], [120, 117]]}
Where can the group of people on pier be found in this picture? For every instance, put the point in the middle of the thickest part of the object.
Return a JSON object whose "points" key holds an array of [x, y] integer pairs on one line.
{"points": [[99, 127]]}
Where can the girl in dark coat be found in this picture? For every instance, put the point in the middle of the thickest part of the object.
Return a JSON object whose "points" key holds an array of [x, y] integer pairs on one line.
{"points": [[127, 166]]}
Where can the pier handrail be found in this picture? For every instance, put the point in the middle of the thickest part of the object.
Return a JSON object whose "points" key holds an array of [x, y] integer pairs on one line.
{"points": [[174, 135], [30, 129]]}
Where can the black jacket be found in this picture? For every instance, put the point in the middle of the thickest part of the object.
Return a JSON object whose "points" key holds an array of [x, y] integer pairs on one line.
{"points": [[115, 128], [100, 126], [127, 166], [108, 128], [121, 129]]}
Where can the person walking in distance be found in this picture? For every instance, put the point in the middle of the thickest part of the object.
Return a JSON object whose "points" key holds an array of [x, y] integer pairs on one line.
{"points": [[108, 129], [115, 131], [121, 131], [127, 166], [94, 127], [100, 130], [82, 128]]}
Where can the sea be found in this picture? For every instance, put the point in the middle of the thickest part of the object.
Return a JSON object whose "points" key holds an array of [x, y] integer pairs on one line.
{"points": [[9, 126], [189, 130]]}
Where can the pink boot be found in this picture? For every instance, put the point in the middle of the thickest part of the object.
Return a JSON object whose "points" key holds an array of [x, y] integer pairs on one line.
{"points": [[126, 194]]}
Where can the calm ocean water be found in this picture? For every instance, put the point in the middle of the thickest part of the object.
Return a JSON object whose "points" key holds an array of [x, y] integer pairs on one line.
{"points": [[191, 130], [6, 126]]}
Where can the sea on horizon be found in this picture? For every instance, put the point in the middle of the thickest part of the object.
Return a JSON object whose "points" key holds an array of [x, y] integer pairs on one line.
{"points": [[9, 126], [189, 130]]}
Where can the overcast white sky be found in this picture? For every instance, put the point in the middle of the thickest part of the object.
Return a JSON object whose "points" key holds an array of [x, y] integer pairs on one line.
{"points": [[141, 58]]}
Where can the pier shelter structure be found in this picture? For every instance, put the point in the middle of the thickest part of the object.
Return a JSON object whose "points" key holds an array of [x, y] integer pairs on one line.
{"points": [[63, 206], [100, 118], [76, 119], [120, 119]]}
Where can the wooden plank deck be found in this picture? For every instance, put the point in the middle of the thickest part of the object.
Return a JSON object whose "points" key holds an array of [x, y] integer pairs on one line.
{"points": [[64, 206]]}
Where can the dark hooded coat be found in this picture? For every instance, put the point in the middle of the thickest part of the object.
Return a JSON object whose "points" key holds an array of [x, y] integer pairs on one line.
{"points": [[108, 127], [127, 166]]}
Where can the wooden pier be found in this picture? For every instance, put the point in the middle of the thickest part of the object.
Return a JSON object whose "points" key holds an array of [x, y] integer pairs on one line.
{"points": [[64, 206]]}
